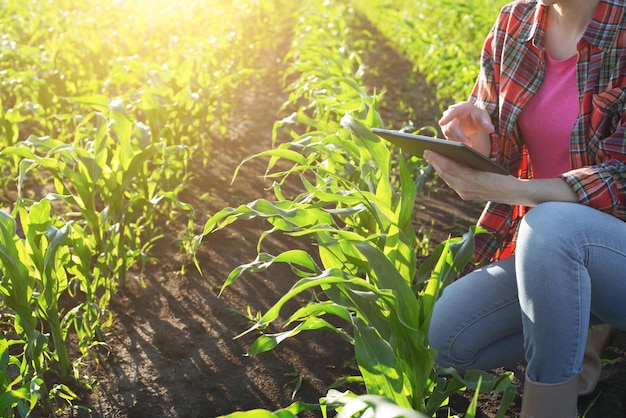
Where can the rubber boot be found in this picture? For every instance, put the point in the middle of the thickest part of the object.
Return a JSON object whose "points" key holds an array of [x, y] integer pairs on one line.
{"points": [[598, 339], [550, 400]]}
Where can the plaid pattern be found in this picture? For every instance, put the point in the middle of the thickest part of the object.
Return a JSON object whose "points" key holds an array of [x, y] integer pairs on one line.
{"points": [[512, 70]]}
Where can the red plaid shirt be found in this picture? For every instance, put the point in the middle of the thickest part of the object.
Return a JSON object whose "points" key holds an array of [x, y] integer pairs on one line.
{"points": [[512, 70]]}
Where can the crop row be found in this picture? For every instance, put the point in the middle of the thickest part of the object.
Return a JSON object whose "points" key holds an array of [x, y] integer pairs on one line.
{"points": [[442, 39]]}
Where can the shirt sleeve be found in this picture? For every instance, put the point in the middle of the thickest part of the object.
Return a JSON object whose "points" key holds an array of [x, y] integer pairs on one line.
{"points": [[602, 184]]}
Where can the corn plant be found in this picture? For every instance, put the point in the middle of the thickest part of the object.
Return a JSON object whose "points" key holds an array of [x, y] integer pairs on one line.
{"points": [[107, 190], [346, 405], [367, 276], [173, 74], [34, 279]]}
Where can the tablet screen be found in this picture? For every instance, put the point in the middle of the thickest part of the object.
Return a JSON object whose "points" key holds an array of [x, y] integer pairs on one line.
{"points": [[417, 144]]}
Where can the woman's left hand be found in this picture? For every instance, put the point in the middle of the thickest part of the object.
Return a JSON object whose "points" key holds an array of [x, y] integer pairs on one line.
{"points": [[472, 184], [468, 183]]}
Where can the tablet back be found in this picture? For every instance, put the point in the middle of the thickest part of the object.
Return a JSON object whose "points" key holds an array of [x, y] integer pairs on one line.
{"points": [[417, 144]]}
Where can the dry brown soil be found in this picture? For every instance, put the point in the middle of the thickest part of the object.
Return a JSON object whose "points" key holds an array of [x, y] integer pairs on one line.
{"points": [[172, 347]]}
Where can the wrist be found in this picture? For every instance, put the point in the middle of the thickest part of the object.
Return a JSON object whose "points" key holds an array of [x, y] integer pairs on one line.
{"points": [[531, 192]]}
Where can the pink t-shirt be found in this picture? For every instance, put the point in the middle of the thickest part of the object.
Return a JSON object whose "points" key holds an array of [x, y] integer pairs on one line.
{"points": [[547, 119]]}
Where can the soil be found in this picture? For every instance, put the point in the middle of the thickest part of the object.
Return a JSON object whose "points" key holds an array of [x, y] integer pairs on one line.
{"points": [[172, 347]]}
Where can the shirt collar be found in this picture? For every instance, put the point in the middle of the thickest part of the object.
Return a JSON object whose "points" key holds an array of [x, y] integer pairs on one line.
{"points": [[535, 30], [606, 22]]}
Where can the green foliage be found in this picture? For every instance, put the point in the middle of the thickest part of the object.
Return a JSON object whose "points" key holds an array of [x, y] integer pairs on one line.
{"points": [[112, 181], [15, 393], [171, 64], [34, 279]]}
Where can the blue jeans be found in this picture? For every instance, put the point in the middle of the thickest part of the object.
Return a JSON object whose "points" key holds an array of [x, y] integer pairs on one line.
{"points": [[569, 272]]}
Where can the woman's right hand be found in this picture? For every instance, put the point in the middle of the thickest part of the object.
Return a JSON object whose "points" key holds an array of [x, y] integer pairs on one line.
{"points": [[466, 123]]}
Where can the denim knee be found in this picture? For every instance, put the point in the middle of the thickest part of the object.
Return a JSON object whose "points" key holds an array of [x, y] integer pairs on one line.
{"points": [[439, 338], [544, 225]]}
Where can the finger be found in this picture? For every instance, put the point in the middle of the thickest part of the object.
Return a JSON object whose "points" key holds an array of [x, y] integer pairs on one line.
{"points": [[455, 111], [451, 172], [438, 161], [453, 132], [475, 116], [440, 165]]}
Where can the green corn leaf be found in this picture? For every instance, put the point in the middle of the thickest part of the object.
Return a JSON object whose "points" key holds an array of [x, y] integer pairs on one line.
{"points": [[46, 145], [99, 147], [267, 342], [387, 277], [276, 154], [384, 191], [298, 259], [376, 149], [365, 304], [4, 355], [56, 238], [471, 409], [479, 380], [434, 285], [382, 372], [341, 141], [346, 81], [90, 168], [258, 413], [35, 223], [98, 102], [406, 201], [19, 286], [373, 118], [19, 151], [318, 309], [287, 215], [400, 252], [326, 279], [10, 398], [135, 164], [373, 406]]}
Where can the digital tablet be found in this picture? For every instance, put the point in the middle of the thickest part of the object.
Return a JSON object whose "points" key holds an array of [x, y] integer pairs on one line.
{"points": [[417, 144]]}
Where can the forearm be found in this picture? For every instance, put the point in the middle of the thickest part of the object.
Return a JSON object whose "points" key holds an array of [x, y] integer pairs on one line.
{"points": [[515, 191], [471, 184]]}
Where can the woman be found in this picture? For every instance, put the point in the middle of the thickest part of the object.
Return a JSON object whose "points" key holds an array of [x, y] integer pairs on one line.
{"points": [[549, 104]]}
